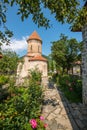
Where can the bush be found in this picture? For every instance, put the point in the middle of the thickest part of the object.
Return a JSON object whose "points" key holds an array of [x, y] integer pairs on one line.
{"points": [[4, 79], [63, 80], [3, 87], [21, 105], [72, 87], [55, 77]]}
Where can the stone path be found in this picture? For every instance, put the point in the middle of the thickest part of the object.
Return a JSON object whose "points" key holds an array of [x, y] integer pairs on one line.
{"points": [[60, 114]]}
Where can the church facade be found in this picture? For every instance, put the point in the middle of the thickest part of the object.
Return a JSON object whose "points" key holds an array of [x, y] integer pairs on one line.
{"points": [[33, 59]]}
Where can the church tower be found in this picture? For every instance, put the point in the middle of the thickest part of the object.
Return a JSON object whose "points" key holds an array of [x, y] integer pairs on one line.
{"points": [[34, 45]]}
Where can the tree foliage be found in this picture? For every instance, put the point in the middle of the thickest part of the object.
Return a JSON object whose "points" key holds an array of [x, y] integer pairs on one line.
{"points": [[6, 34], [51, 64], [64, 11], [8, 63], [80, 19], [58, 50], [65, 52]]}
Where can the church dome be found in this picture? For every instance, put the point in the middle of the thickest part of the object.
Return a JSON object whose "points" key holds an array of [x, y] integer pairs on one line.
{"points": [[34, 36]]}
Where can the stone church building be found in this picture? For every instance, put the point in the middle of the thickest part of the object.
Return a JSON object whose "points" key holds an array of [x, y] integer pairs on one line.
{"points": [[33, 59]]}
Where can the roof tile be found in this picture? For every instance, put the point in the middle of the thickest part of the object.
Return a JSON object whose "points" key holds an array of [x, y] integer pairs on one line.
{"points": [[33, 36], [38, 58]]}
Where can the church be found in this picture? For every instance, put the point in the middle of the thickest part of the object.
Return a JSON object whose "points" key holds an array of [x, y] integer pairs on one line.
{"points": [[33, 59]]}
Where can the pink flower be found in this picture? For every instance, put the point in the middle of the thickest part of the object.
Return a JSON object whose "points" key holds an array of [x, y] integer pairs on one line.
{"points": [[33, 123], [41, 118], [45, 125]]}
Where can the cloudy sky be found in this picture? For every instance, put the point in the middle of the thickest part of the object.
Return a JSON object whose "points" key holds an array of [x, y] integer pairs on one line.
{"points": [[17, 45], [22, 30]]}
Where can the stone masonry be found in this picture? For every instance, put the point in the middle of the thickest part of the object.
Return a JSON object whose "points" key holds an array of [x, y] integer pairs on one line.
{"points": [[84, 64], [32, 60]]}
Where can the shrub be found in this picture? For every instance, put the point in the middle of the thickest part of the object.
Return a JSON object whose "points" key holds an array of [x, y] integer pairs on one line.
{"points": [[3, 79], [35, 75], [38, 124], [55, 77], [35, 92], [21, 105], [3, 87], [72, 87], [64, 80]]}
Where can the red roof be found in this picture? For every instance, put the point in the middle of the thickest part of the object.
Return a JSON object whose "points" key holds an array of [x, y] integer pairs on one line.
{"points": [[38, 58], [34, 36]]}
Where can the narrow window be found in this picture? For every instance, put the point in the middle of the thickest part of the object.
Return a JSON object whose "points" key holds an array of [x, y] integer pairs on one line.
{"points": [[31, 48], [38, 48]]}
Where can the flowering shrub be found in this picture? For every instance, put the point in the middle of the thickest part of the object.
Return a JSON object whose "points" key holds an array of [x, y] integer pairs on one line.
{"points": [[33, 123], [38, 124], [21, 105]]}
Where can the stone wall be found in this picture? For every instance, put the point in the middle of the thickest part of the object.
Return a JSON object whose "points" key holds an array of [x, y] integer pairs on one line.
{"points": [[24, 68], [41, 65], [84, 64], [34, 47]]}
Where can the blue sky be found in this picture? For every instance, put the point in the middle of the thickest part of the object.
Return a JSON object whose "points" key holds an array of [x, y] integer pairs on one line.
{"points": [[24, 29]]}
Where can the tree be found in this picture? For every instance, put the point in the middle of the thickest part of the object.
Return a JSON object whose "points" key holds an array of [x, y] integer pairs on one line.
{"points": [[72, 52], [8, 64], [58, 50], [64, 10], [6, 34], [65, 52], [51, 64]]}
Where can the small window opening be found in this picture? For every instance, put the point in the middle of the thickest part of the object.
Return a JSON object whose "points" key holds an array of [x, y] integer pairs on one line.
{"points": [[38, 49], [31, 48]]}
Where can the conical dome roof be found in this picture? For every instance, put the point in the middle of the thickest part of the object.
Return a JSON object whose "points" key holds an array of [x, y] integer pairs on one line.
{"points": [[34, 36]]}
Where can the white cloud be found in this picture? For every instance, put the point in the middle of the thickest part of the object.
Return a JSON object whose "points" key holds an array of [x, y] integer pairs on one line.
{"points": [[17, 45]]}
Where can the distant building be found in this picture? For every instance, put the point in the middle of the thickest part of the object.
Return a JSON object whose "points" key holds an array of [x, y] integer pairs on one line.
{"points": [[33, 59], [77, 70]]}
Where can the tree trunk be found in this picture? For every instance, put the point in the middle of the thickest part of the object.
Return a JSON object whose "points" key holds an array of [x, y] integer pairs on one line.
{"points": [[84, 64]]}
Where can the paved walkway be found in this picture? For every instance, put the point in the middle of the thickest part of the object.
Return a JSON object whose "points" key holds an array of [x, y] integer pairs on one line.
{"points": [[60, 114]]}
